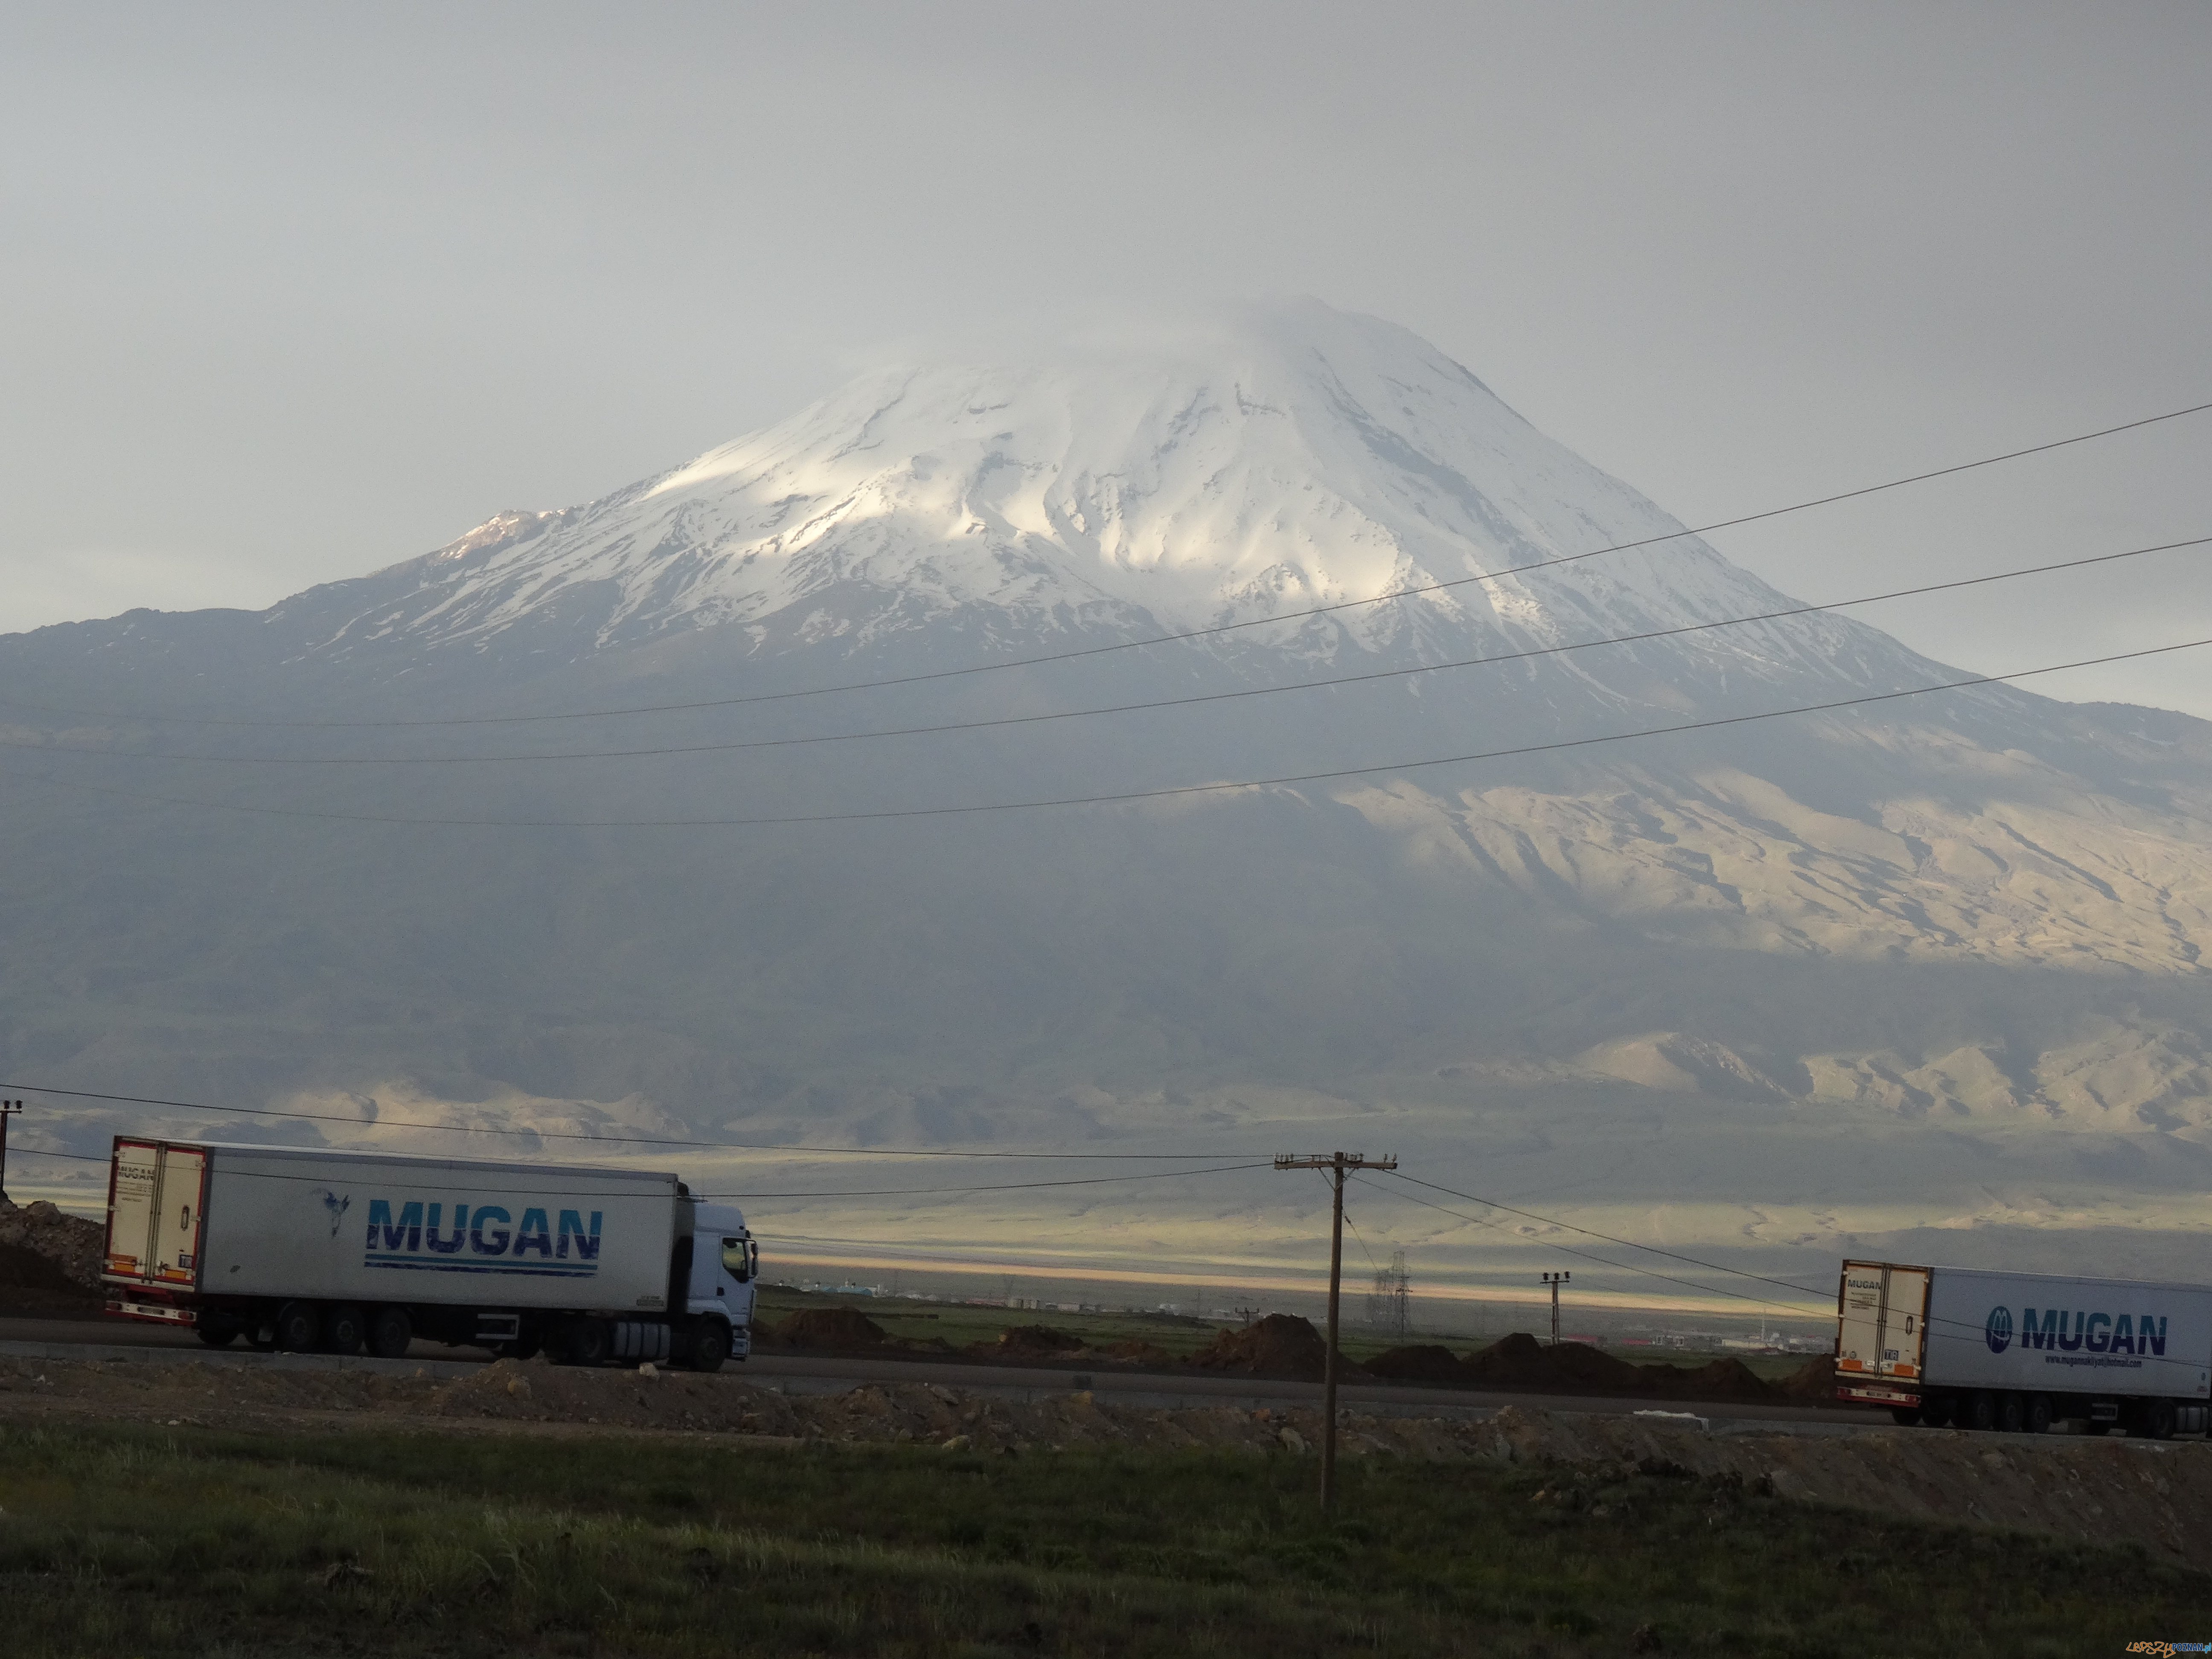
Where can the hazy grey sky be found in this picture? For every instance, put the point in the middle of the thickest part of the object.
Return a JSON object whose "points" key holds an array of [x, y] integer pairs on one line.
{"points": [[288, 293]]}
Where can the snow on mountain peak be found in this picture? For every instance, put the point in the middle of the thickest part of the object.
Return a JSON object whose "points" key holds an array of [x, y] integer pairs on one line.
{"points": [[1274, 458]]}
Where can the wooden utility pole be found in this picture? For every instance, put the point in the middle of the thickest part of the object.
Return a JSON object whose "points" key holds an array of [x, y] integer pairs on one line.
{"points": [[7, 1110], [1555, 1281], [1337, 1164]]}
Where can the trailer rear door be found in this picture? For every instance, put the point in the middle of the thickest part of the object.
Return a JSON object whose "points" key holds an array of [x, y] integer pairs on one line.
{"points": [[134, 1190], [177, 1223], [1881, 1322], [154, 1216]]}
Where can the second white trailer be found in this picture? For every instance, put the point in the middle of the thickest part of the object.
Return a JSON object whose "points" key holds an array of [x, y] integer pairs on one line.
{"points": [[1990, 1349]]}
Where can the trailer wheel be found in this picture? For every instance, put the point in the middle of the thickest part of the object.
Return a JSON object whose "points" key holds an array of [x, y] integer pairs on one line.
{"points": [[298, 1328], [2012, 1413], [1936, 1410], [217, 1337], [344, 1328], [2157, 1419], [390, 1332], [1905, 1416], [1981, 1412], [710, 1345], [2038, 1413]]}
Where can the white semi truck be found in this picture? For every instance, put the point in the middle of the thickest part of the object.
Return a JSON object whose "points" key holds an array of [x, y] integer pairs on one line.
{"points": [[1971, 1349], [304, 1248]]}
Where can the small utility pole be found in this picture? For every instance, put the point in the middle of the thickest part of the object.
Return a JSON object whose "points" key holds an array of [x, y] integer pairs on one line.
{"points": [[1555, 1281], [7, 1109], [1339, 1163]]}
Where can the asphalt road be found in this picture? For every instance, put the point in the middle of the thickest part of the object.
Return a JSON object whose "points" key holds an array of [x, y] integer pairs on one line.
{"points": [[826, 1373]]}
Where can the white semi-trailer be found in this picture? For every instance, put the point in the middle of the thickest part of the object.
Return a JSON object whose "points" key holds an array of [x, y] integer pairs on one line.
{"points": [[304, 1248], [1972, 1349]]}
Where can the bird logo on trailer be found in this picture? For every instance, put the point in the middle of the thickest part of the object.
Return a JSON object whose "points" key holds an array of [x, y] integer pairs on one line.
{"points": [[1998, 1332], [338, 1207]]}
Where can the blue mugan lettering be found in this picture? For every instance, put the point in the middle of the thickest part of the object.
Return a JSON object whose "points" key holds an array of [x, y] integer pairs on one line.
{"points": [[2147, 1339], [533, 1234], [447, 1246], [572, 1226], [2123, 1334], [498, 1245], [2070, 1343], [406, 1233], [2096, 1343], [2045, 1335]]}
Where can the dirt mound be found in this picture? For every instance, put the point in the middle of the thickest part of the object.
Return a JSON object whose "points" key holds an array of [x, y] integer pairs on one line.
{"points": [[1280, 1345], [70, 1242], [827, 1327], [1520, 1361], [1425, 1361], [30, 1283], [1030, 1342]]}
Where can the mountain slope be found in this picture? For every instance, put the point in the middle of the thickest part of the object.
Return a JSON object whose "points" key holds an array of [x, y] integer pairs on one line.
{"points": [[1966, 929]]}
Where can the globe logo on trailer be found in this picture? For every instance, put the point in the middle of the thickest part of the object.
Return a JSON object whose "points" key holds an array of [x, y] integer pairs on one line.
{"points": [[1998, 1332]]}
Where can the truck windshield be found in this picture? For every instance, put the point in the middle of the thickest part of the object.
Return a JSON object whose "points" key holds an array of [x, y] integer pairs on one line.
{"points": [[734, 1258]]}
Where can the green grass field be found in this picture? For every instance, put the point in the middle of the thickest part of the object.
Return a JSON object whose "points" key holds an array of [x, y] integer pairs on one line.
{"points": [[120, 1542]]}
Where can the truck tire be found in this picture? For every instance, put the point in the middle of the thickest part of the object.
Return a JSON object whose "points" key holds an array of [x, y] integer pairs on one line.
{"points": [[1905, 1416], [2038, 1413], [2012, 1413], [588, 1342], [344, 1328], [299, 1327], [218, 1336], [1981, 1412], [390, 1332], [710, 1345], [1936, 1410], [2157, 1419]]}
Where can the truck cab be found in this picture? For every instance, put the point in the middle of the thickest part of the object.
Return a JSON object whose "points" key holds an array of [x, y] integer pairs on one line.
{"points": [[725, 1265]]}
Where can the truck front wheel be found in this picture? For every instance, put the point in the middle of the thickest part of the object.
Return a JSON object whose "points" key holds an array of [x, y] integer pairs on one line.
{"points": [[2157, 1419], [586, 1342], [710, 1345], [1981, 1412]]}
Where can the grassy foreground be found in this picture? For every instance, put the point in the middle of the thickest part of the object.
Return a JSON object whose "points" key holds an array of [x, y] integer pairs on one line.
{"points": [[120, 1542]]}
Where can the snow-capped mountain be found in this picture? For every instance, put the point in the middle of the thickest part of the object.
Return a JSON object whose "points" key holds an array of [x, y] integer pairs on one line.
{"points": [[1290, 458], [1840, 975]]}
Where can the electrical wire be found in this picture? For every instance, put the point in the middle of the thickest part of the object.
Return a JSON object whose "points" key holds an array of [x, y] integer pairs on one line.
{"points": [[1171, 639], [556, 1192], [1172, 791], [1618, 1266], [588, 1135], [662, 750], [1627, 1243]]}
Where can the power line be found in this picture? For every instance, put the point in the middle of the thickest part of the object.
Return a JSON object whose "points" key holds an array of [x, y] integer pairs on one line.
{"points": [[1521, 750], [1166, 638], [1602, 1261], [1629, 1243], [667, 749], [614, 1139], [880, 1192]]}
